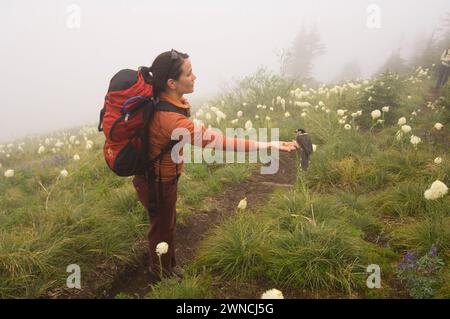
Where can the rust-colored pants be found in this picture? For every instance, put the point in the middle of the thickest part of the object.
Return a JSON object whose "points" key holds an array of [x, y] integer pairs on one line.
{"points": [[163, 222]]}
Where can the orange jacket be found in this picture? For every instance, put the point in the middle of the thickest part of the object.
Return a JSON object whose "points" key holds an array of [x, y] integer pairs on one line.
{"points": [[161, 127]]}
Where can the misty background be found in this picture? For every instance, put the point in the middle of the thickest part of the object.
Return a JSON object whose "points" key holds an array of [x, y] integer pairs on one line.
{"points": [[57, 57]]}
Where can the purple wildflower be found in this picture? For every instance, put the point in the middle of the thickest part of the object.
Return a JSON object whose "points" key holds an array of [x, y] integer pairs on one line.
{"points": [[402, 266], [433, 251], [56, 160], [410, 257]]}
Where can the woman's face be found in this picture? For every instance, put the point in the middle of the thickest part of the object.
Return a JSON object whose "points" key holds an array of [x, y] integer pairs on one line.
{"points": [[185, 83]]}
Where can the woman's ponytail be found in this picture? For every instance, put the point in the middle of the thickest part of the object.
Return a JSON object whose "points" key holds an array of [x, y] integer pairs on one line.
{"points": [[146, 73]]}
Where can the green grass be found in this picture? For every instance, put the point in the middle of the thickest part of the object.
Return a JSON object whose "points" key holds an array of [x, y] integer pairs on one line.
{"points": [[360, 202], [91, 218], [191, 287], [316, 257], [236, 249], [422, 234], [407, 199]]}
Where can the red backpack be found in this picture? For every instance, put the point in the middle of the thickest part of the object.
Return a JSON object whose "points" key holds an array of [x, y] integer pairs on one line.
{"points": [[128, 109]]}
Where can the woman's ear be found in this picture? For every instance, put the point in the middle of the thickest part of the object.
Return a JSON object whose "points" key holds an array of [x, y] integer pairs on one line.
{"points": [[171, 84]]}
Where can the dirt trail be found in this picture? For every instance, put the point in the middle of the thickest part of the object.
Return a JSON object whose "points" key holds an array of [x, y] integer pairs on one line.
{"points": [[257, 189]]}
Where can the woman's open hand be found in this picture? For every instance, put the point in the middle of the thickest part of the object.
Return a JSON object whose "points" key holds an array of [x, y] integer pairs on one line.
{"points": [[284, 146]]}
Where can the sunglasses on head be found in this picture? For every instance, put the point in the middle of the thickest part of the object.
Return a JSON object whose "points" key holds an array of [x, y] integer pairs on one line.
{"points": [[173, 57]]}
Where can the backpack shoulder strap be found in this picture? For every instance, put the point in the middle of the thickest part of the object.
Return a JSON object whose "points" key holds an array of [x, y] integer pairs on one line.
{"points": [[169, 107], [164, 106]]}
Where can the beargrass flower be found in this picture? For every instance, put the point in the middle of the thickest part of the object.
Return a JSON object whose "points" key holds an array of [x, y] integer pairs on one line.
{"points": [[402, 121], [221, 115], [406, 128], [242, 204], [162, 248], [248, 125], [272, 294], [89, 144], [438, 126], [9, 173], [437, 190], [415, 140], [375, 114], [278, 99]]}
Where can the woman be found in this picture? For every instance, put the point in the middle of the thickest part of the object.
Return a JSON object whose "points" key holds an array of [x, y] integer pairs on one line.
{"points": [[172, 76]]}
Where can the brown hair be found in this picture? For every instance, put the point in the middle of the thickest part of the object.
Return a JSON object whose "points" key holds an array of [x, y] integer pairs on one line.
{"points": [[166, 66]]}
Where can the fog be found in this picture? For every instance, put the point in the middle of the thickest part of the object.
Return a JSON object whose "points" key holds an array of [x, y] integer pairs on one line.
{"points": [[56, 68]]}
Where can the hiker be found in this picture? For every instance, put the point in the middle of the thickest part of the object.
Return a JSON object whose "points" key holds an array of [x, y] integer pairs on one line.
{"points": [[444, 69], [172, 77]]}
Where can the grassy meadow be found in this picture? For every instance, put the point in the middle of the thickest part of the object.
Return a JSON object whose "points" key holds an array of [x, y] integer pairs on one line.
{"points": [[378, 149]]}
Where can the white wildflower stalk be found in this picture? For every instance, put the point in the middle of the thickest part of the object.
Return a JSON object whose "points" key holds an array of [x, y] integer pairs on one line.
{"points": [[62, 174], [399, 135], [161, 249]]}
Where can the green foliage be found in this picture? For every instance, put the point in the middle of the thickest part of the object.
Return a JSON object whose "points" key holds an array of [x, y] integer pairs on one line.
{"points": [[422, 234], [360, 202], [316, 257], [407, 199], [93, 218], [236, 250], [191, 287], [386, 90]]}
